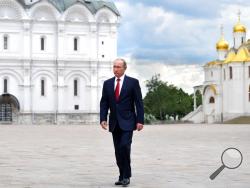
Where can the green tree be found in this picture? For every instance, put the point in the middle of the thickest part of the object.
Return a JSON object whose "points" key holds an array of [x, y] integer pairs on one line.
{"points": [[198, 98], [184, 103], [163, 100], [154, 101]]}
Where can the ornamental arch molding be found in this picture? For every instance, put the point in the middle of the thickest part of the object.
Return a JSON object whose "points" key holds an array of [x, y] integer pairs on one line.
{"points": [[212, 87], [44, 11], [12, 74], [9, 99], [44, 74], [106, 15], [78, 12], [101, 81], [11, 9], [77, 74]]}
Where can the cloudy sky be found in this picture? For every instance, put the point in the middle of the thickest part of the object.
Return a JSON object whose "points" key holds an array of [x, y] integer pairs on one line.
{"points": [[175, 37]]}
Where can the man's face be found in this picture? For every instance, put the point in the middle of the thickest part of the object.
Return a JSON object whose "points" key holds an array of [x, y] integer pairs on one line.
{"points": [[118, 68]]}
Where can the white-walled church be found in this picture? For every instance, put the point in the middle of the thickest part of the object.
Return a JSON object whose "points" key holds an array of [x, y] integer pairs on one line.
{"points": [[54, 57], [226, 89]]}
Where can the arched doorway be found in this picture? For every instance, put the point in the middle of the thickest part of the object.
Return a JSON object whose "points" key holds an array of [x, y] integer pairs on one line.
{"points": [[9, 107]]}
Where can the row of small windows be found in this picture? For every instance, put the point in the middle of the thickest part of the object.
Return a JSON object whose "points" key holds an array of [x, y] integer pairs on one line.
{"points": [[242, 40], [42, 43], [76, 107], [212, 100], [5, 87], [43, 87], [75, 41], [231, 73]]}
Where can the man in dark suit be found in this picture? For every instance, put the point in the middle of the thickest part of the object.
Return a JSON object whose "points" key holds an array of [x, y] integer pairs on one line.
{"points": [[122, 96]]}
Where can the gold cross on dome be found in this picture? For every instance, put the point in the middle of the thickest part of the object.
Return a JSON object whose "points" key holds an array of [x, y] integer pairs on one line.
{"points": [[239, 14], [221, 30]]}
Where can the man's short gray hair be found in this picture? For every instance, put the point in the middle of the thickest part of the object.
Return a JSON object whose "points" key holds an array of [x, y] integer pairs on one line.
{"points": [[123, 60]]}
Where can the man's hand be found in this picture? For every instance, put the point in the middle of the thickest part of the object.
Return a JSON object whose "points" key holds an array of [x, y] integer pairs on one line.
{"points": [[139, 126], [104, 125]]}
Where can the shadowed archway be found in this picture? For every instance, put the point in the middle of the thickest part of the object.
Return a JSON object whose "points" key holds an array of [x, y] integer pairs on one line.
{"points": [[9, 106]]}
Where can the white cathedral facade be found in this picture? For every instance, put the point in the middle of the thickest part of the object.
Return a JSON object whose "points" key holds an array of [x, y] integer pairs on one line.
{"points": [[54, 57], [226, 89]]}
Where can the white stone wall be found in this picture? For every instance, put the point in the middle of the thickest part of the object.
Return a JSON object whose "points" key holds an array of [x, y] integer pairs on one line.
{"points": [[234, 94], [239, 39], [212, 74], [24, 64], [222, 54], [232, 98]]}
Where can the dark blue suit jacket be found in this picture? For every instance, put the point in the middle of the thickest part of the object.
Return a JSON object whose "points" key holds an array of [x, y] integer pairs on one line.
{"points": [[123, 111]]}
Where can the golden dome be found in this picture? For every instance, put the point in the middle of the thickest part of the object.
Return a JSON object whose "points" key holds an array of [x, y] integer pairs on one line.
{"points": [[239, 28], [222, 44]]}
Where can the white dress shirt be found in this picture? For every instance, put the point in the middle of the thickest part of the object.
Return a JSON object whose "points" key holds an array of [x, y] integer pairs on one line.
{"points": [[121, 82]]}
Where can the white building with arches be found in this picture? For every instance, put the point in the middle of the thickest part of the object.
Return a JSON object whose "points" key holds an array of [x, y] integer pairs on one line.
{"points": [[54, 57], [226, 89]]}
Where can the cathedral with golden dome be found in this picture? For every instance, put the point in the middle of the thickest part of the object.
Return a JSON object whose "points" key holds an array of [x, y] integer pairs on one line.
{"points": [[226, 88]]}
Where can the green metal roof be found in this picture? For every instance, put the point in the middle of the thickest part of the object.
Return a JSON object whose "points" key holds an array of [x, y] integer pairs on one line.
{"points": [[92, 5]]}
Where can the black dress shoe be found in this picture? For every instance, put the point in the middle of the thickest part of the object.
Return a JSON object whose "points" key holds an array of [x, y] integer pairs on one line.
{"points": [[119, 182], [125, 182]]}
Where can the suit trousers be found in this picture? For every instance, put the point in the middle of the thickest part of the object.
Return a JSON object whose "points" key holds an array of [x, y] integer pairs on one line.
{"points": [[122, 144]]}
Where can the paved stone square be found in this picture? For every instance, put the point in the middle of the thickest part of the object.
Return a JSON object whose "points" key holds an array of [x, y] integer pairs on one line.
{"points": [[163, 156]]}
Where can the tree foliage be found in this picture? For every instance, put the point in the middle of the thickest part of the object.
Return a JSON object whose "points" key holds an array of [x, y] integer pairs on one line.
{"points": [[164, 100]]}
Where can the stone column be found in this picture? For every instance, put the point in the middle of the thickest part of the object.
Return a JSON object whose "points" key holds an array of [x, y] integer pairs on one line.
{"points": [[60, 90], [94, 61], [60, 67], [113, 40], [93, 42], [26, 93], [27, 59]]}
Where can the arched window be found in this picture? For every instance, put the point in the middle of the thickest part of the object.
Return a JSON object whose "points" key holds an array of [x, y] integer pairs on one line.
{"points": [[249, 93], [76, 43], [75, 87], [231, 72], [224, 74], [5, 42], [42, 41], [242, 40], [248, 71], [42, 87], [5, 86], [211, 100], [211, 73]]}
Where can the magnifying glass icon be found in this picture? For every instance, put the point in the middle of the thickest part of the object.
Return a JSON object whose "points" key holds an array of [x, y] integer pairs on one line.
{"points": [[231, 158]]}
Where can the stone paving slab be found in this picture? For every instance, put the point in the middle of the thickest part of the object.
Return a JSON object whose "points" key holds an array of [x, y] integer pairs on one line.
{"points": [[163, 156]]}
